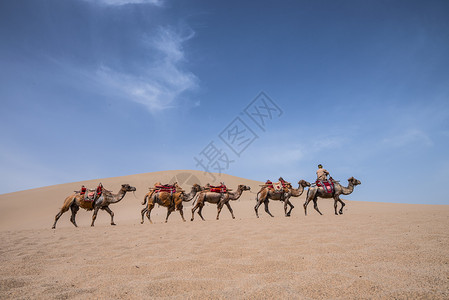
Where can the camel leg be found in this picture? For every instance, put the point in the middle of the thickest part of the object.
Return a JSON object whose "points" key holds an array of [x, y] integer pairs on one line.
{"points": [[230, 209], [291, 207], [59, 214], [94, 216], [266, 208], [342, 205], [193, 210], [219, 207], [305, 205], [315, 205], [285, 206], [181, 212], [287, 202], [150, 208], [257, 207], [200, 210], [335, 206], [143, 214], [110, 212], [74, 209], [169, 211]]}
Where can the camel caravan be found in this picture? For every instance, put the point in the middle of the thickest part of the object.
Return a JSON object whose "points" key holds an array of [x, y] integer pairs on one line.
{"points": [[172, 197]]}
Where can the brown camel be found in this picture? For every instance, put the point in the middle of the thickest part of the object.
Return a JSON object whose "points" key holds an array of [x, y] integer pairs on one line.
{"points": [[267, 194], [314, 192], [218, 198], [166, 199], [75, 201]]}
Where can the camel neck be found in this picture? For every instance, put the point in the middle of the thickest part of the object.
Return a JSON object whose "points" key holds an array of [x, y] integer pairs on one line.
{"points": [[192, 194], [297, 192], [119, 196], [347, 190], [237, 194]]}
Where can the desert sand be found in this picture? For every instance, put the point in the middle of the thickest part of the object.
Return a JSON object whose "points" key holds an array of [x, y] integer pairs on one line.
{"points": [[372, 251]]}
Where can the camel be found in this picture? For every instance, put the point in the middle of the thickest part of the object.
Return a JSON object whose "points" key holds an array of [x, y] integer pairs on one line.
{"points": [[267, 194], [314, 192], [171, 201], [218, 198], [75, 201]]}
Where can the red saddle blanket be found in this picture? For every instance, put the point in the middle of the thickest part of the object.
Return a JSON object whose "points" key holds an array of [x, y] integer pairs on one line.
{"points": [[328, 186], [165, 188], [218, 189], [269, 184]]}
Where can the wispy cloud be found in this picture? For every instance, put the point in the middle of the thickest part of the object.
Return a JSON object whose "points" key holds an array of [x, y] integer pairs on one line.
{"points": [[123, 2], [163, 80]]}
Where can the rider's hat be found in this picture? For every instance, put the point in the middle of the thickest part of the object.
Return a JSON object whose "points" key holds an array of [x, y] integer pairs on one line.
{"points": [[320, 166]]}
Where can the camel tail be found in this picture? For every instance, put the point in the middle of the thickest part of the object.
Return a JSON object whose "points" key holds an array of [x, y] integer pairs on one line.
{"points": [[145, 200], [196, 198], [68, 202], [257, 197], [307, 196]]}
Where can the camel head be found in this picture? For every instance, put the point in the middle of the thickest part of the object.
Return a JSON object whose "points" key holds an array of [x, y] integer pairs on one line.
{"points": [[244, 187], [197, 187], [354, 181], [127, 188], [303, 183]]}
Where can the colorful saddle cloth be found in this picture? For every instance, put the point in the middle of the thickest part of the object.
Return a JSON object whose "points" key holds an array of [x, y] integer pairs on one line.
{"points": [[218, 189], [327, 185], [165, 188], [278, 187], [89, 197]]}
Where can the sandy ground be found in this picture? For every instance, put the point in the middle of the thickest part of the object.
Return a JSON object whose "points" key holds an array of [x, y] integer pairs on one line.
{"points": [[373, 250]]}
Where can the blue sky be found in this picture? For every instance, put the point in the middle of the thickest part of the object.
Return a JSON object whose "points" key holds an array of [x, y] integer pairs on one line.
{"points": [[103, 88]]}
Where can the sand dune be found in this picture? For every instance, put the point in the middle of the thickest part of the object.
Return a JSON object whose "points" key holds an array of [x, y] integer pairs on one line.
{"points": [[374, 250]]}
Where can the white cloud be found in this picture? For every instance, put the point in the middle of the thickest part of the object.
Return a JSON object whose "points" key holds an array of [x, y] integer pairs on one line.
{"points": [[163, 80], [123, 2]]}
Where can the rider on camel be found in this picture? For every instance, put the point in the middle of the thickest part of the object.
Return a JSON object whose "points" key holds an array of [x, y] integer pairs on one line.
{"points": [[323, 181], [283, 182], [321, 174], [99, 190], [269, 184], [83, 190]]}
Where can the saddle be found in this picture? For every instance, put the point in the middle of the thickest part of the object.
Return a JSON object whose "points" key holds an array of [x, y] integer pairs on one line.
{"points": [[218, 189], [165, 188], [278, 187], [269, 184], [327, 185], [89, 196]]}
